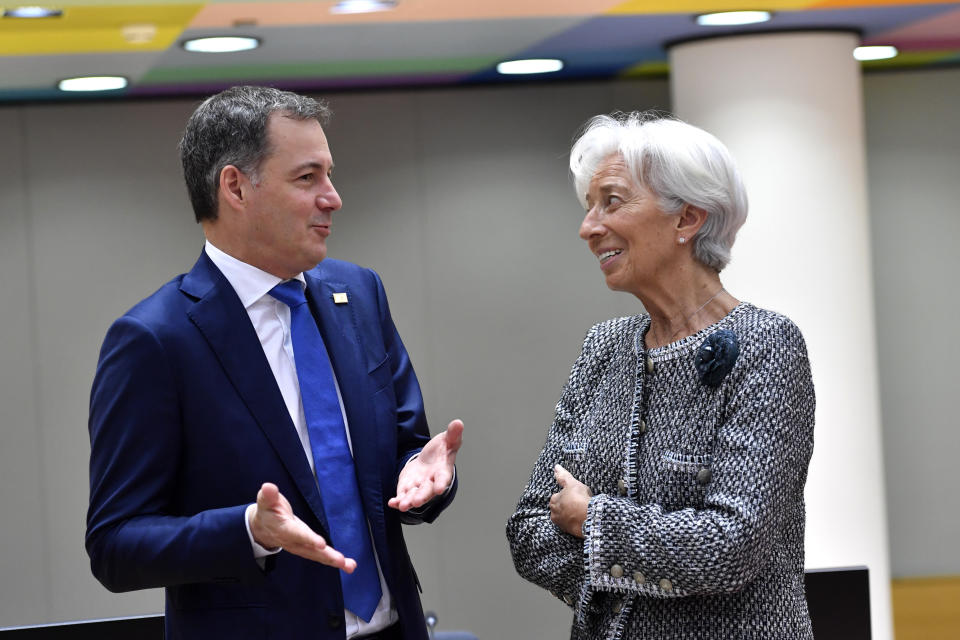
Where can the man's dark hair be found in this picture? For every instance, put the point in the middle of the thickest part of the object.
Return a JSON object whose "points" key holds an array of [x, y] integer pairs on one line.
{"points": [[230, 128]]}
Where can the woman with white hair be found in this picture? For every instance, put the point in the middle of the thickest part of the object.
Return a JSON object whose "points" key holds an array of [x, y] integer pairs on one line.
{"points": [[668, 499]]}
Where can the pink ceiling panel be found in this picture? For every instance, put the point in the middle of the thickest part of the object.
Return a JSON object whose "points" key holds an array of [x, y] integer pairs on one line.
{"points": [[307, 13], [938, 32]]}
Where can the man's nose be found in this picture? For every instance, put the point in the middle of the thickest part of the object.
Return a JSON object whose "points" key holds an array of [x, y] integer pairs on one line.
{"points": [[330, 199]]}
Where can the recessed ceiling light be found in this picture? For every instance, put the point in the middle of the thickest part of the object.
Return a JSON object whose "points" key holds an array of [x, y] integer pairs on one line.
{"points": [[32, 12], [93, 83], [532, 65], [221, 44], [732, 18], [875, 53], [362, 6]]}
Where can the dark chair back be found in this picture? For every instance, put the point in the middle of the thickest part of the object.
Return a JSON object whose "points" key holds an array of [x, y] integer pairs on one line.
{"points": [[839, 602]]}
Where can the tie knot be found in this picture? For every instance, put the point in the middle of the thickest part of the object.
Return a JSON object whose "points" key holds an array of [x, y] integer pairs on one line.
{"points": [[289, 293]]}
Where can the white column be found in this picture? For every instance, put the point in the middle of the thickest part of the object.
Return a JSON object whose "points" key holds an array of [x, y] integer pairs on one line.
{"points": [[789, 107]]}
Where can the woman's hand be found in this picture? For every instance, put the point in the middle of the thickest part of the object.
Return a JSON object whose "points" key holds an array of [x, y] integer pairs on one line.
{"points": [[568, 507]]}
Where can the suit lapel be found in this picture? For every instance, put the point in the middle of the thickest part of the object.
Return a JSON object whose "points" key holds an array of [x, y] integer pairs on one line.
{"points": [[221, 318], [341, 336]]}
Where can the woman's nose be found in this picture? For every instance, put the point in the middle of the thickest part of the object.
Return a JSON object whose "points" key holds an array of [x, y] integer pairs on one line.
{"points": [[590, 226]]}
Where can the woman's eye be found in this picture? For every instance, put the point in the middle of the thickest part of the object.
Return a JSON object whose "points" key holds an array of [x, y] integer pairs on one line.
{"points": [[613, 200]]}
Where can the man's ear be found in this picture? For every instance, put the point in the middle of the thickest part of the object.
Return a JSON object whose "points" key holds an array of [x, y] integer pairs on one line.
{"points": [[233, 187], [690, 220]]}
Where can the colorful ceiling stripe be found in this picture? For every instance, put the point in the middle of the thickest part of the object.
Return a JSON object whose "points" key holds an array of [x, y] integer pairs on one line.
{"points": [[97, 29], [419, 42]]}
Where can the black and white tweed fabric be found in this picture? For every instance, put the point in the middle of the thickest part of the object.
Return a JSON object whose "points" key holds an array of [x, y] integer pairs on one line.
{"points": [[695, 530]]}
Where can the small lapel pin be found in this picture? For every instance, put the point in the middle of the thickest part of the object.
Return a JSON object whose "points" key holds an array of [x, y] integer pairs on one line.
{"points": [[340, 298]]}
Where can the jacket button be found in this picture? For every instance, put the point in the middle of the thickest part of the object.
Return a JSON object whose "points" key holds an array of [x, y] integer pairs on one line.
{"points": [[643, 426], [638, 577], [666, 585], [616, 571], [649, 365], [704, 476], [334, 620], [621, 487]]}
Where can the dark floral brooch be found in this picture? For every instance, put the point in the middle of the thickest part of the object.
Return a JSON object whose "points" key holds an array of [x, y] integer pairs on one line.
{"points": [[716, 356]]}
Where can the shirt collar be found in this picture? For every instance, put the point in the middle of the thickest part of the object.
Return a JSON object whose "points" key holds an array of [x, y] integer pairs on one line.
{"points": [[248, 281]]}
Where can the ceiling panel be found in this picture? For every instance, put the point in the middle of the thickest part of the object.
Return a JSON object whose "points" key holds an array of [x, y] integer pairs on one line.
{"points": [[226, 14], [420, 42]]}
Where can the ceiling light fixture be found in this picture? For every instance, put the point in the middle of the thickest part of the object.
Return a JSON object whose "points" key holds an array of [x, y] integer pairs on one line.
{"points": [[363, 6], [221, 44], [875, 53], [529, 66], [733, 18], [32, 12], [93, 83]]}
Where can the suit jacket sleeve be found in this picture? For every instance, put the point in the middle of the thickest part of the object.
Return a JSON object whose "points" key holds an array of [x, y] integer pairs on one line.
{"points": [[135, 433]]}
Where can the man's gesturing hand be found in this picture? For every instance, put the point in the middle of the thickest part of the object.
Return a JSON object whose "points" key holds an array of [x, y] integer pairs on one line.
{"points": [[568, 507], [430, 473], [273, 525]]}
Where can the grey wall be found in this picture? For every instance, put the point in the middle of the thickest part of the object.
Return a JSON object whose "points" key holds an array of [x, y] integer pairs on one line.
{"points": [[913, 141], [460, 199]]}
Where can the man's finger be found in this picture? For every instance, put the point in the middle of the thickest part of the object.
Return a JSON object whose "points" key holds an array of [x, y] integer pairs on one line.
{"points": [[268, 496], [397, 502], [423, 495], [327, 555], [454, 435], [440, 483]]}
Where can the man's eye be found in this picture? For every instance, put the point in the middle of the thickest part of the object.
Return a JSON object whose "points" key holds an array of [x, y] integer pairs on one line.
{"points": [[613, 200], [306, 177]]}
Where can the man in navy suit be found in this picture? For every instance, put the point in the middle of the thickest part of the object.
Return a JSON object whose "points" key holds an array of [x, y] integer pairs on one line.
{"points": [[204, 464]]}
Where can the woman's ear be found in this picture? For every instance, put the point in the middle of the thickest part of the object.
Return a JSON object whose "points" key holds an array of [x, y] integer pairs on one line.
{"points": [[690, 220]]}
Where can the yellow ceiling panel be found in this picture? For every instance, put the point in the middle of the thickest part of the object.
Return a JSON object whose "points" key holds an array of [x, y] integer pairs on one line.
{"points": [[88, 4], [97, 29]]}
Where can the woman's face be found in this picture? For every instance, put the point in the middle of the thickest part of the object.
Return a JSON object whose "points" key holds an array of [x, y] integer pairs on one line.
{"points": [[626, 230]]}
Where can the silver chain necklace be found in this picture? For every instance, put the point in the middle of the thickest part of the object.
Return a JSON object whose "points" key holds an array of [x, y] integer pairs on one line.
{"points": [[690, 317]]}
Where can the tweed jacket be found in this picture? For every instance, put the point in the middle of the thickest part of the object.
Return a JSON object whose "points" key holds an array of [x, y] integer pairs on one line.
{"points": [[695, 527]]}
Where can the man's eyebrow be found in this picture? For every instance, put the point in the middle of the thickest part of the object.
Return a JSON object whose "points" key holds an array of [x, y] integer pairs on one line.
{"points": [[312, 164]]}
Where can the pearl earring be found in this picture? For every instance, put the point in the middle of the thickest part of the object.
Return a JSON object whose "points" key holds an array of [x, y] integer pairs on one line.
{"points": [[681, 240]]}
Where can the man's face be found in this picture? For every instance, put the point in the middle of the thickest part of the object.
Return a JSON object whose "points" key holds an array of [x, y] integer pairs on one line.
{"points": [[292, 203]]}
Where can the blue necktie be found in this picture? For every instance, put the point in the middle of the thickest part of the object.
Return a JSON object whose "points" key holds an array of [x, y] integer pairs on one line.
{"points": [[331, 453]]}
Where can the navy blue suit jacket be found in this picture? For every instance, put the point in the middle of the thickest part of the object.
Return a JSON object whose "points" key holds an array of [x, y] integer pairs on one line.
{"points": [[186, 423]]}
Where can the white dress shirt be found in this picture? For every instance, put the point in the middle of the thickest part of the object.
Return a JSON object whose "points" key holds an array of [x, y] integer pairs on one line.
{"points": [[271, 320]]}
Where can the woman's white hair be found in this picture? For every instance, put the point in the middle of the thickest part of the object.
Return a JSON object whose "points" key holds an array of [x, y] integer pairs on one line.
{"points": [[680, 163]]}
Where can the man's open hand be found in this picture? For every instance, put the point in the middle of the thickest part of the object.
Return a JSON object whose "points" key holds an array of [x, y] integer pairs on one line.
{"points": [[273, 524], [430, 473]]}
